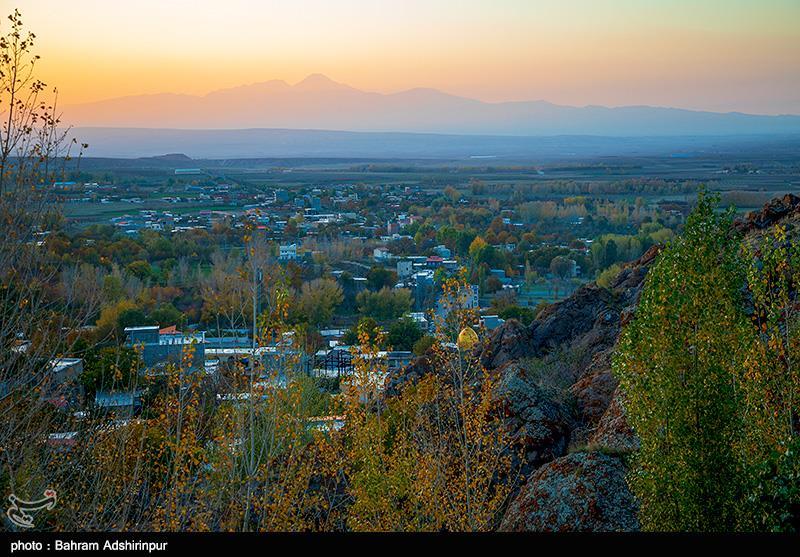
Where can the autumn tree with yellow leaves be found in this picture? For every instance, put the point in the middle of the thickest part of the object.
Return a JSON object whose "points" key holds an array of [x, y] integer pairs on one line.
{"points": [[436, 456]]}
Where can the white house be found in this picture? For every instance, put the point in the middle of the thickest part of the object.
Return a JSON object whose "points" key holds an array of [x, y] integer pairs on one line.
{"points": [[381, 254]]}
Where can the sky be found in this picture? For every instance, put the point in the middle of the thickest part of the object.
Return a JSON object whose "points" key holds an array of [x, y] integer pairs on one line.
{"points": [[720, 55]]}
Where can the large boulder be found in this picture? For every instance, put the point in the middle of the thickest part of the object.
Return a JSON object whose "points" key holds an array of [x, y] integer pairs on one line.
{"points": [[509, 342], [557, 324], [581, 492], [538, 424]]}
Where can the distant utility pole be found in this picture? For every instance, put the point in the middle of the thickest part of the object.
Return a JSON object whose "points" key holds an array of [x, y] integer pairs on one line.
{"points": [[257, 276]]}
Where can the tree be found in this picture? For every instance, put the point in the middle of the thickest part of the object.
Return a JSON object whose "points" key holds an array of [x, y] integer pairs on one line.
{"points": [[423, 345], [476, 248], [112, 288], [403, 334], [35, 321], [318, 300], [504, 298], [226, 293], [367, 328], [378, 277], [679, 363], [130, 317], [110, 368], [115, 317], [140, 269], [561, 267], [610, 255], [452, 194], [523, 315], [385, 304], [772, 382], [493, 284], [435, 457], [531, 276], [165, 315], [605, 278]]}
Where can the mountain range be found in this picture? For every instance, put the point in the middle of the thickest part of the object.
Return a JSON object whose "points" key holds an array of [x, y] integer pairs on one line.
{"points": [[320, 103]]}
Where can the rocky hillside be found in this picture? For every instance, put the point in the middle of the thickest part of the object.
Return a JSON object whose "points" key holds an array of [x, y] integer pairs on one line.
{"points": [[556, 394], [582, 485], [560, 400]]}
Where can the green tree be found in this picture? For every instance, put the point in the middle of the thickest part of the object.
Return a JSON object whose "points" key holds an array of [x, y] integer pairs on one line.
{"points": [[165, 315], [385, 304], [605, 278], [140, 269], [403, 334], [523, 315], [772, 381], [610, 256], [423, 344], [365, 326], [678, 363], [378, 277], [112, 288], [561, 267], [131, 317], [110, 368]]}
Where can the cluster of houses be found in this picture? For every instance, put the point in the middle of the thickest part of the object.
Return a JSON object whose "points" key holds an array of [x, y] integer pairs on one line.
{"points": [[167, 221], [194, 352]]}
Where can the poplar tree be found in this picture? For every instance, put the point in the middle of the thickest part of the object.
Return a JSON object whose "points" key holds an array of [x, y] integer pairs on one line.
{"points": [[678, 363]]}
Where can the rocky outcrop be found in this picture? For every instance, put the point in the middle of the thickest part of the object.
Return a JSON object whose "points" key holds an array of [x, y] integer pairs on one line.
{"points": [[538, 425], [557, 324], [588, 321], [509, 343], [586, 491], [581, 492], [772, 213], [587, 325], [594, 388]]}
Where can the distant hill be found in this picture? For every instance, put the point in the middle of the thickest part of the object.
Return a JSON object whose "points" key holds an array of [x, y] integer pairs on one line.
{"points": [[172, 157], [322, 104]]}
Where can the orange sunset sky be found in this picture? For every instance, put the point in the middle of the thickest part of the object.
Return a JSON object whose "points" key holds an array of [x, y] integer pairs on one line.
{"points": [[718, 54]]}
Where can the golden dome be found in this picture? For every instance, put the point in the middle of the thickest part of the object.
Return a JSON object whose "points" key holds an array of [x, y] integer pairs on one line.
{"points": [[467, 339]]}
